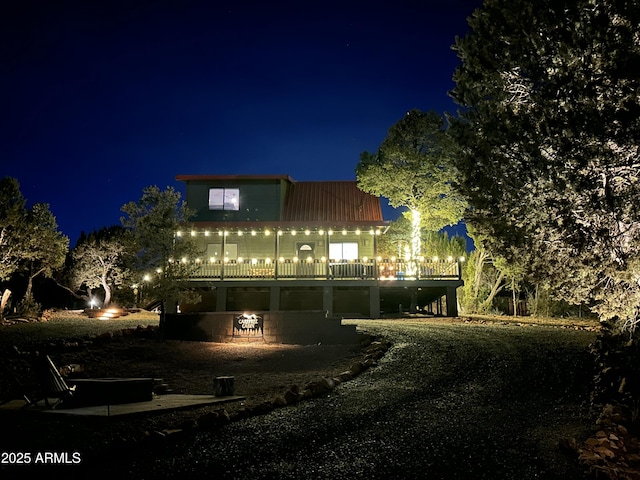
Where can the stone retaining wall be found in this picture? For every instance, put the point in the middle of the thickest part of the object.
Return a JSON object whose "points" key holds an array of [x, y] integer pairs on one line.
{"points": [[296, 327]]}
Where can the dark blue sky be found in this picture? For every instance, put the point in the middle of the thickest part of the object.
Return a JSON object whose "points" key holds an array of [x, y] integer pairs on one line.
{"points": [[100, 99]]}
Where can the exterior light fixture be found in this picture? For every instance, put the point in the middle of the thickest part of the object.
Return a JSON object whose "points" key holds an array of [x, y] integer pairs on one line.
{"points": [[158, 270], [309, 259], [253, 233], [323, 259], [178, 233], [212, 260], [267, 261], [279, 233], [330, 232], [226, 233], [378, 232], [295, 259], [240, 233], [294, 233], [240, 260], [206, 233], [358, 231], [219, 233], [320, 232], [379, 258], [281, 259], [254, 261], [226, 259], [193, 233], [462, 259], [449, 258], [372, 232], [435, 259], [184, 259], [146, 278], [344, 232], [365, 259], [307, 232], [267, 232]]}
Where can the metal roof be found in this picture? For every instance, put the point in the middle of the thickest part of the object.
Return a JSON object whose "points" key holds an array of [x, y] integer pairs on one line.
{"points": [[338, 202]]}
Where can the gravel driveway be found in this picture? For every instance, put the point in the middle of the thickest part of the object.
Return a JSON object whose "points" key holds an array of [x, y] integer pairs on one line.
{"points": [[450, 400]]}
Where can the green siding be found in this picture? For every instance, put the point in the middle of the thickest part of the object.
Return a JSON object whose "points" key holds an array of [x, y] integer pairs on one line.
{"points": [[259, 201]]}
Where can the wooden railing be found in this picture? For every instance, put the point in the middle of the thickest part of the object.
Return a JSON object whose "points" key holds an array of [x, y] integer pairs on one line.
{"points": [[332, 269]]}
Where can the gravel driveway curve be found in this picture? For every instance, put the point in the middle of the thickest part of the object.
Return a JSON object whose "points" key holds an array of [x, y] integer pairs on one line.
{"points": [[450, 400]]}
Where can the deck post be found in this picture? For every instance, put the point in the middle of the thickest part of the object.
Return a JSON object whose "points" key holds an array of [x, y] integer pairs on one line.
{"points": [[274, 298], [221, 299], [452, 303], [327, 300], [374, 301]]}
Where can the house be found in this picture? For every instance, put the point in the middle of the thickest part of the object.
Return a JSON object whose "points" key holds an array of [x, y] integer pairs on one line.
{"points": [[271, 244]]}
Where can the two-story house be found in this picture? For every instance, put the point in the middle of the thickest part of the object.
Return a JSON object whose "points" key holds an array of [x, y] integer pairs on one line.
{"points": [[271, 243]]}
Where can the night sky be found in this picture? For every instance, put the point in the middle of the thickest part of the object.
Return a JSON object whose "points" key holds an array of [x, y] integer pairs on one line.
{"points": [[100, 99]]}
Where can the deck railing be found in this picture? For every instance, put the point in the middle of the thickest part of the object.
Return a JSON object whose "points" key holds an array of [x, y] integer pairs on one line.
{"points": [[363, 269]]}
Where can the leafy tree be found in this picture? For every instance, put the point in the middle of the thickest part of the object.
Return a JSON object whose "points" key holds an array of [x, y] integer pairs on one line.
{"points": [[162, 259], [12, 217], [550, 131], [45, 249], [413, 168], [98, 261]]}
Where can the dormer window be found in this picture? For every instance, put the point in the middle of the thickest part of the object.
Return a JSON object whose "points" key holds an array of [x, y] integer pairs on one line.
{"points": [[224, 199]]}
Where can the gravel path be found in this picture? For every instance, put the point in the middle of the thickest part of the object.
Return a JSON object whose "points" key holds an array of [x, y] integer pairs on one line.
{"points": [[450, 400]]}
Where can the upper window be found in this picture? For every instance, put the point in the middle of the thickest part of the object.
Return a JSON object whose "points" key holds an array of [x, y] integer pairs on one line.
{"points": [[224, 199]]}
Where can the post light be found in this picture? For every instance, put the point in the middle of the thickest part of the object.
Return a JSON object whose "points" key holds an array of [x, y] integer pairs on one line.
{"points": [[219, 233], [267, 261], [240, 260], [462, 259], [226, 233], [357, 231], [378, 232], [226, 260], [435, 259], [281, 259], [240, 232], [206, 233], [309, 259], [198, 260], [421, 258], [449, 258], [295, 259], [320, 232], [253, 233], [254, 261], [146, 277], [193, 233], [323, 259], [344, 232], [178, 233], [267, 232], [279, 233], [365, 259], [184, 259], [158, 270], [212, 260], [379, 258], [294, 233], [307, 232], [330, 232], [371, 232], [393, 258]]}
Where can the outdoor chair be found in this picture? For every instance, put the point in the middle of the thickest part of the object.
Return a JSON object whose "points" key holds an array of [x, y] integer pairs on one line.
{"points": [[50, 383]]}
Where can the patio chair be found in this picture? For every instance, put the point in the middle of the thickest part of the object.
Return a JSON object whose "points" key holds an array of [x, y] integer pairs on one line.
{"points": [[50, 384]]}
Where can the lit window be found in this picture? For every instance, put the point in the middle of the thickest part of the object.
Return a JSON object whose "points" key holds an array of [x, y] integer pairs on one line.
{"points": [[343, 251], [224, 199]]}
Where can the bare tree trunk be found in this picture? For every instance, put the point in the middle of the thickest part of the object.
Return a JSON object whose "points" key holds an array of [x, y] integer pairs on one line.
{"points": [[497, 288], [107, 291], [3, 302]]}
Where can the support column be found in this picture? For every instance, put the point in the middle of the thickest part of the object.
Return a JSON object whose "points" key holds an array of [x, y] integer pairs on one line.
{"points": [[274, 299], [452, 302], [221, 299], [327, 300], [374, 302]]}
